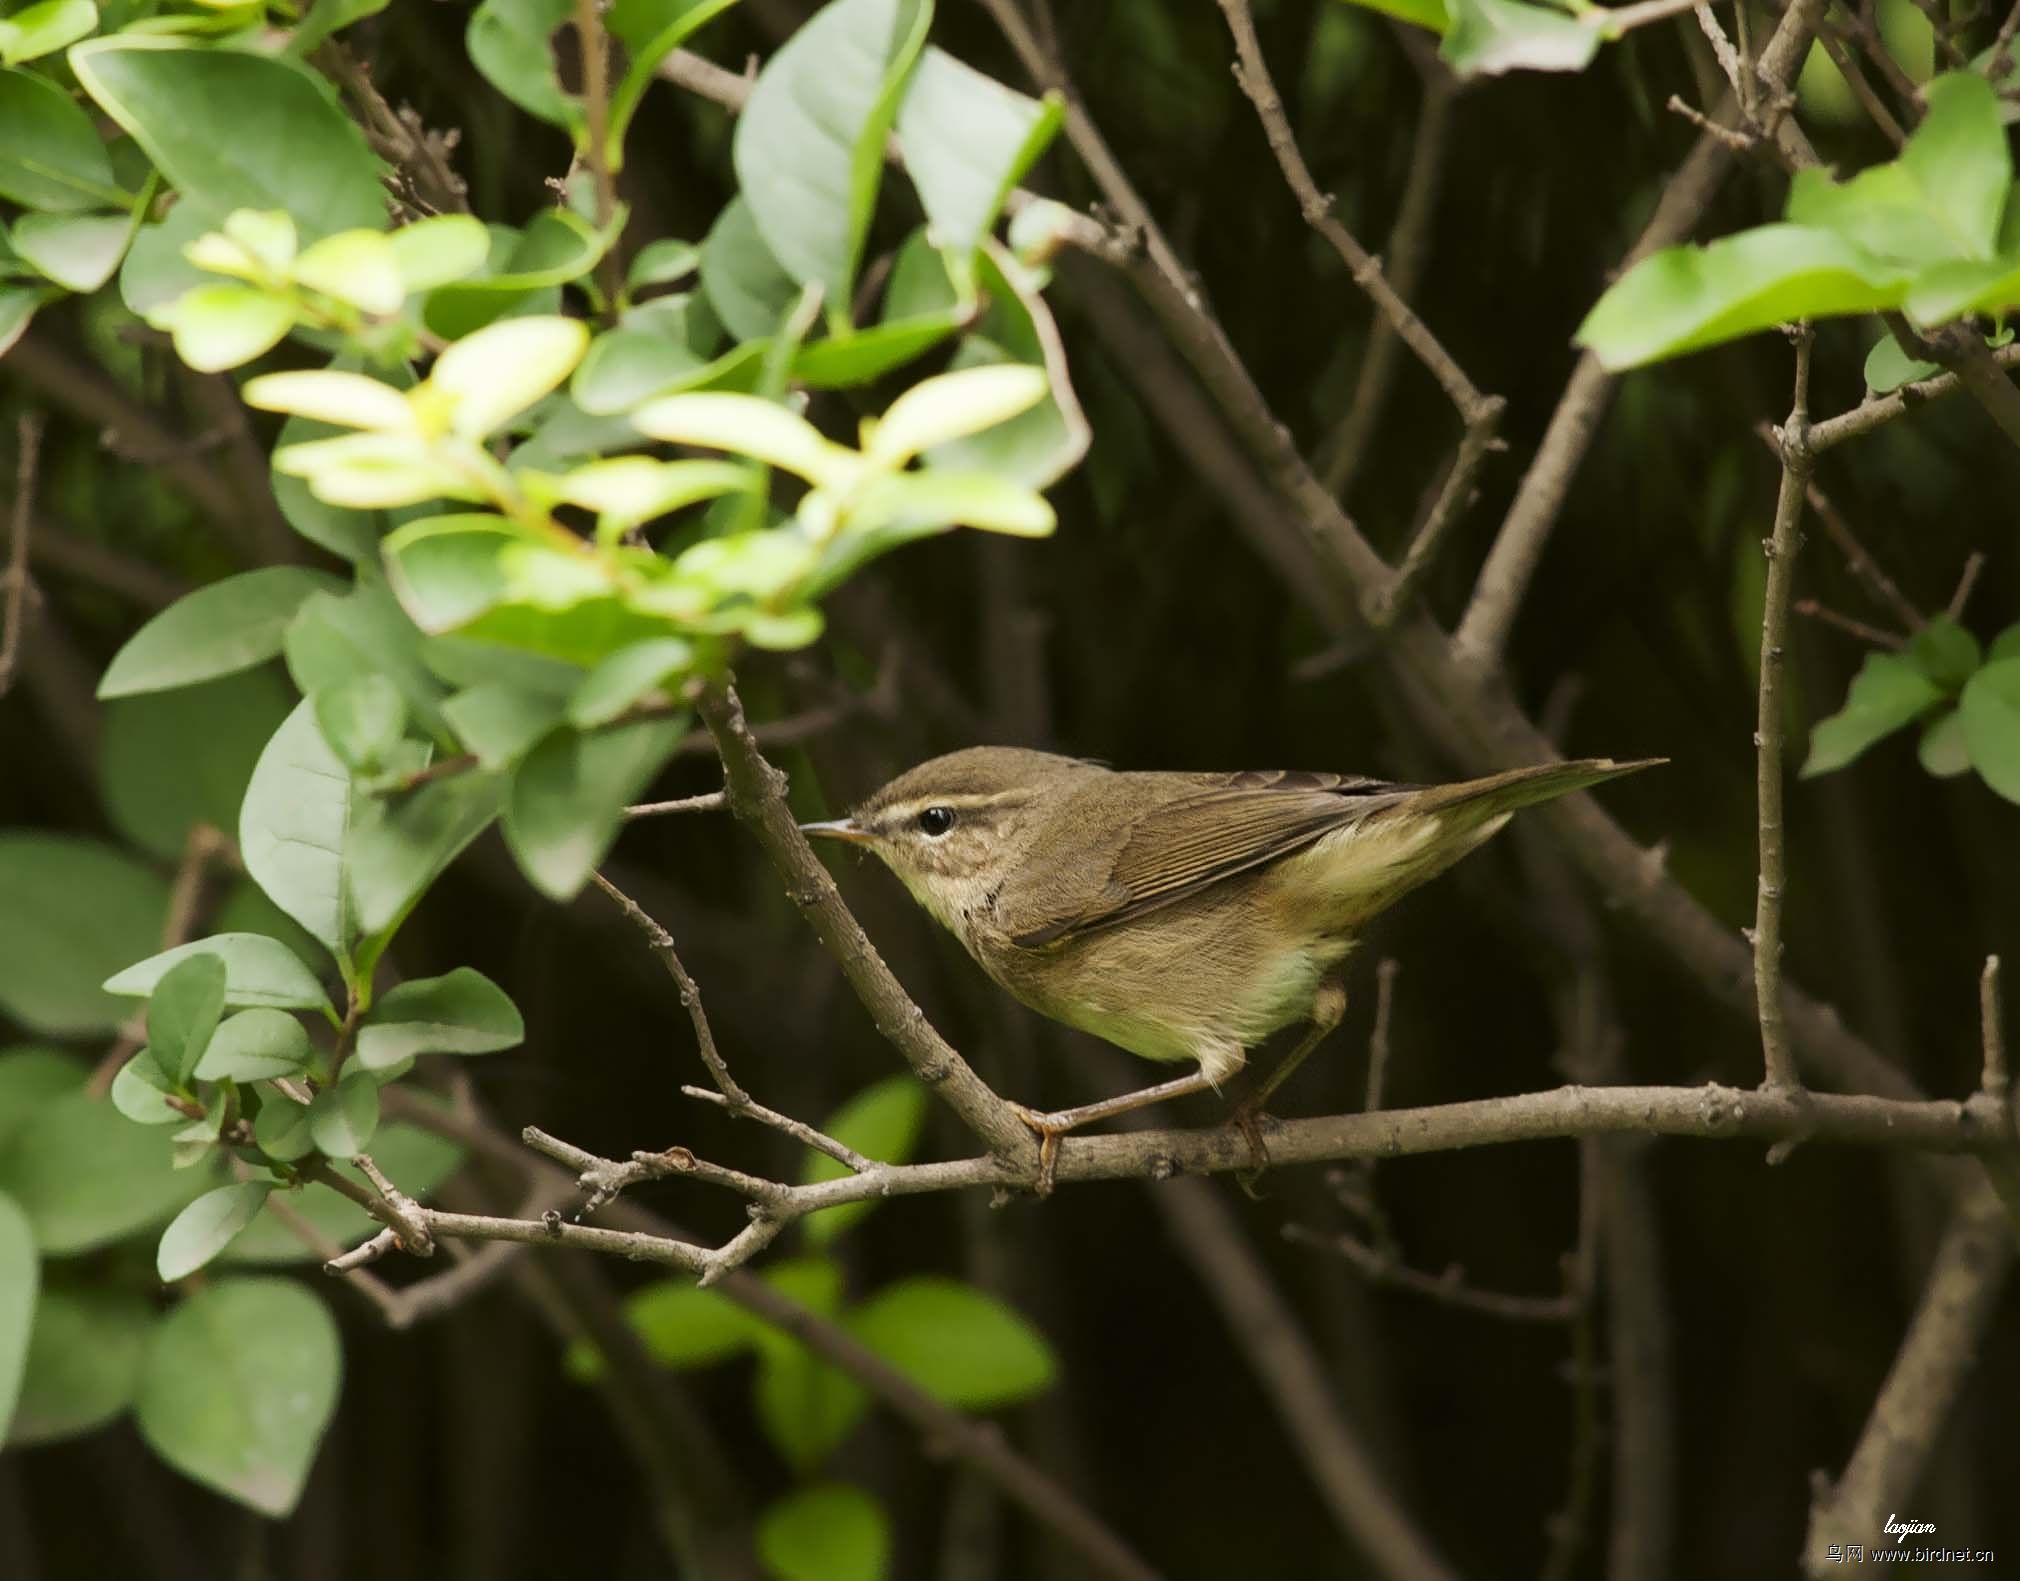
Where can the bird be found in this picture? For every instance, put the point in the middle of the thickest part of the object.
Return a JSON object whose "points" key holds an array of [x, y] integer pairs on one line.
{"points": [[1180, 916]]}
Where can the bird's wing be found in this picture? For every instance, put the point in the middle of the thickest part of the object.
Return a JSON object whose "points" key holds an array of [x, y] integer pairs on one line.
{"points": [[1207, 828]]}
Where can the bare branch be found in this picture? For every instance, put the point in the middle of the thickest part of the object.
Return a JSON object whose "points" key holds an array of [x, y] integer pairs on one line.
{"points": [[1876, 410], [1997, 1081], [1858, 558], [1810, 609], [1974, 566], [14, 601], [708, 801], [1449, 1288]]}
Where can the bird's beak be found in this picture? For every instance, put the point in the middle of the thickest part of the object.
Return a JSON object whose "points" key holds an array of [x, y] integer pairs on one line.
{"points": [[836, 829]]}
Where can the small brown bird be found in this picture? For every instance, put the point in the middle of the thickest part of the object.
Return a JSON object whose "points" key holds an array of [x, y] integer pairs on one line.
{"points": [[1179, 916]]}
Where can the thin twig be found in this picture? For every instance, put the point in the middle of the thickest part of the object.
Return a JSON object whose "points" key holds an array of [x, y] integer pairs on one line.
{"points": [[1973, 567], [1475, 445], [1387, 970], [1862, 90], [1996, 1081], [1450, 1287], [1812, 610], [709, 801], [1858, 559], [1781, 550], [1874, 411], [28, 450], [594, 46], [1570, 1529]]}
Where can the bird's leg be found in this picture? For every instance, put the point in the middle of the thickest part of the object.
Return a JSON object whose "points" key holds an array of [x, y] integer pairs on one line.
{"points": [[1329, 1005], [1051, 1126]]}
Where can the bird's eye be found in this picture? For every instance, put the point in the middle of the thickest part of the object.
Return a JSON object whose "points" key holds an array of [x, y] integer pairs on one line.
{"points": [[935, 821]]}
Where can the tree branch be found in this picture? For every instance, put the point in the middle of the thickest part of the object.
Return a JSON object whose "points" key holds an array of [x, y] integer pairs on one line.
{"points": [[14, 598]]}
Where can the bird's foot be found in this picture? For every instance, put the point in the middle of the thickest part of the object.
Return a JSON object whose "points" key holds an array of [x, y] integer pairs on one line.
{"points": [[1049, 1128], [1247, 1118]]}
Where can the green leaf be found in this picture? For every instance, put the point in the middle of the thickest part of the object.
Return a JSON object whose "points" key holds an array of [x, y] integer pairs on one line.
{"points": [[961, 1345], [683, 1325], [1488, 37], [255, 1045], [953, 406], [805, 1406], [238, 1387], [334, 641], [50, 155], [748, 287], [568, 799], [326, 17], [884, 1122], [221, 326], [1683, 298], [362, 720], [1943, 750], [1888, 367], [749, 425], [20, 1278], [31, 1077], [71, 911], [558, 246], [435, 251], [182, 1013], [510, 43], [865, 355], [84, 1357], [18, 307], [292, 830], [1941, 200], [78, 251], [1429, 14], [627, 678], [342, 1118], [627, 491], [220, 628], [87, 1176], [444, 569], [155, 788], [281, 1129], [207, 1226], [968, 140], [491, 375], [416, 1160], [231, 129], [662, 262], [500, 722], [809, 146], [1990, 709], [402, 844], [141, 1092], [44, 28], [1886, 694], [827, 1532], [358, 268], [1945, 652], [626, 366], [462, 1012], [650, 31], [258, 971]]}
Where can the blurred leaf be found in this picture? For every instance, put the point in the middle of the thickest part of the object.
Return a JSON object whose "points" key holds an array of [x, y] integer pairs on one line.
{"points": [[1886, 694], [84, 1356], [968, 140], [20, 1277], [650, 31], [1422, 13], [182, 1013], [828, 1532], [78, 251], [748, 288], [360, 269], [1888, 367], [959, 1344], [207, 1226], [809, 146], [1683, 298], [220, 628], [884, 1122], [221, 326], [235, 130], [342, 1118], [680, 1324], [749, 425], [628, 677], [87, 1176], [510, 42], [805, 1406], [325, 17], [50, 155], [1489, 37], [292, 830], [72, 912], [435, 251], [18, 306], [626, 366], [1945, 652], [333, 641], [257, 971], [1991, 713], [238, 1387], [556, 247], [1943, 750], [491, 375], [951, 406], [662, 262], [255, 1045], [400, 844], [31, 1077], [44, 28], [462, 1012], [361, 720], [568, 798], [499, 722]]}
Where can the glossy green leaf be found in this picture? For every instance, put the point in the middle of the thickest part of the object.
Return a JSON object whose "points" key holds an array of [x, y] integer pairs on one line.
{"points": [[748, 287], [568, 799], [207, 1226], [626, 678], [44, 28], [401, 844], [959, 1344], [141, 1092], [884, 1122], [342, 1118], [232, 129], [20, 1278], [335, 641], [968, 140], [1683, 298], [437, 250], [182, 1013], [1485, 38], [222, 627], [258, 971], [828, 1532], [50, 155], [1886, 694], [72, 912], [84, 1356], [491, 375], [155, 788], [809, 146], [78, 251], [444, 570], [558, 246], [281, 1129], [292, 828], [238, 1387], [1990, 708], [87, 1176], [463, 1012], [255, 1045], [662, 262]]}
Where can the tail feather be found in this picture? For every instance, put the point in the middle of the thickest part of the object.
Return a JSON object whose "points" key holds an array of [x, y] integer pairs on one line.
{"points": [[1518, 788]]}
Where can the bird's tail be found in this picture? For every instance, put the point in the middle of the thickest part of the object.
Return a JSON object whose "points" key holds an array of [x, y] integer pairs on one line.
{"points": [[1487, 798]]}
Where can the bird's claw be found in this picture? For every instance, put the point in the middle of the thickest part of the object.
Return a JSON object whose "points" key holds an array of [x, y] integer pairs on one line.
{"points": [[1048, 1131], [1245, 1118]]}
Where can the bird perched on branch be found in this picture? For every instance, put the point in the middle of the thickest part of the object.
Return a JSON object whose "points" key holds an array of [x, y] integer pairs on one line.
{"points": [[1179, 916]]}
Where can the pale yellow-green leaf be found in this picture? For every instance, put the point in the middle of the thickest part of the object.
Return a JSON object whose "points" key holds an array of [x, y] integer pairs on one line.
{"points": [[751, 427], [433, 252], [358, 267], [633, 489], [219, 254], [267, 234], [952, 406], [489, 377], [220, 326], [375, 471], [328, 395]]}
